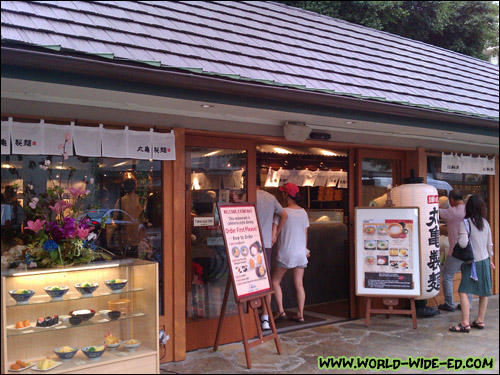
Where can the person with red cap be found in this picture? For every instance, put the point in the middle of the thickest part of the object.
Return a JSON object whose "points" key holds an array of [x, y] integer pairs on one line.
{"points": [[292, 251]]}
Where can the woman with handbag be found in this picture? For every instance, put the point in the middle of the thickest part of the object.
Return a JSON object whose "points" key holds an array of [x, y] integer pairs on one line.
{"points": [[476, 275]]}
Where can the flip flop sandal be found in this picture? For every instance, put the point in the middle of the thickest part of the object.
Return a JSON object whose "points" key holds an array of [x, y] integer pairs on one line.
{"points": [[299, 319], [477, 325], [460, 328], [281, 316]]}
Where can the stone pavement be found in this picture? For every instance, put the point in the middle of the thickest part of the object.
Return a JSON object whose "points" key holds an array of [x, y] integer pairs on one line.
{"points": [[394, 338]]}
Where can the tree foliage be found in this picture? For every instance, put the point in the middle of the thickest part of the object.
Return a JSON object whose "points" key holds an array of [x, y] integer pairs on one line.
{"points": [[468, 27]]}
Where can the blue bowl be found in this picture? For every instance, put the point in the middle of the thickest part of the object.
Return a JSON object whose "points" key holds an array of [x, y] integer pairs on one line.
{"points": [[58, 293], [92, 355], [86, 291], [66, 356], [114, 286], [21, 297]]}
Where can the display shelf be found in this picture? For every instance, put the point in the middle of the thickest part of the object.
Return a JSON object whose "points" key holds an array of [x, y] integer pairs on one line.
{"points": [[67, 325], [81, 362], [139, 319], [70, 296]]}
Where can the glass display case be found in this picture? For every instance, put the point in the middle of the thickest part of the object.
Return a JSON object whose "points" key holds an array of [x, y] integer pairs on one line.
{"points": [[33, 327]]}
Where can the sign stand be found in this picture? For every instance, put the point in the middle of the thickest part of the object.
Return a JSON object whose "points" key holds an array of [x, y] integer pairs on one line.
{"points": [[390, 302], [254, 304], [249, 271]]}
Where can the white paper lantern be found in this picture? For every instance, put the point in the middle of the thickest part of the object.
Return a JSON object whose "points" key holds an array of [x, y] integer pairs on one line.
{"points": [[426, 198]]}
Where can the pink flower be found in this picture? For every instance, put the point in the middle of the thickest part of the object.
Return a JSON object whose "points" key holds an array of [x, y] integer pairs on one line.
{"points": [[44, 167], [65, 155], [60, 206], [60, 147], [35, 226], [33, 203], [67, 137], [76, 192], [83, 232]]}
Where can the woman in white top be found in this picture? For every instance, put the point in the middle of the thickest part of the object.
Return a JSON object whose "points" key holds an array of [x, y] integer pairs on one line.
{"points": [[476, 275], [292, 251]]}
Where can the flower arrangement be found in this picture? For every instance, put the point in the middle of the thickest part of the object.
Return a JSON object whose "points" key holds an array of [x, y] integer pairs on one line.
{"points": [[56, 234]]}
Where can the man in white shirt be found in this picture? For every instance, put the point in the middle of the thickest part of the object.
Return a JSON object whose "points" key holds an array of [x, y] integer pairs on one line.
{"points": [[268, 206]]}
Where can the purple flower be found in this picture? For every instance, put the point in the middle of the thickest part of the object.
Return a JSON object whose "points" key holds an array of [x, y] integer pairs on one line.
{"points": [[69, 227], [56, 232]]}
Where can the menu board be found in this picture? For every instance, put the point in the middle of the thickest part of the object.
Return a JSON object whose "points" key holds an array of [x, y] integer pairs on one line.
{"points": [[387, 251], [246, 255]]}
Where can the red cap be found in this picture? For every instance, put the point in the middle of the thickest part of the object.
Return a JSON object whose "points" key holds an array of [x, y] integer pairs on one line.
{"points": [[290, 188]]}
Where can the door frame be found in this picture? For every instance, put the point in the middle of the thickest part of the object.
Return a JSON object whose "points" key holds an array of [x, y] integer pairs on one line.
{"points": [[194, 340]]}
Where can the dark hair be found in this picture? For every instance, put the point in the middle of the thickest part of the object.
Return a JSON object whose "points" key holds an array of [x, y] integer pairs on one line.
{"points": [[129, 185], [297, 199], [475, 209], [456, 195]]}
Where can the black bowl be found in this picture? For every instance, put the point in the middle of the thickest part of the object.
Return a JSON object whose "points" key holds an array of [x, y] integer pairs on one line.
{"points": [[75, 320], [85, 316], [114, 314]]}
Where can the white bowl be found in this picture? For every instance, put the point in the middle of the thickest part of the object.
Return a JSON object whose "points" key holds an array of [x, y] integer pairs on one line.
{"points": [[131, 348]]}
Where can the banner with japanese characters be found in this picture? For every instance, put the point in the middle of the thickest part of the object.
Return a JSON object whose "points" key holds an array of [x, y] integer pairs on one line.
{"points": [[6, 129], [247, 261], [139, 145], [387, 251], [27, 139], [163, 146]]}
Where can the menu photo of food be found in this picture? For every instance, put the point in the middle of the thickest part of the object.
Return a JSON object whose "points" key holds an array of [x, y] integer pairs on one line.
{"points": [[370, 244], [382, 260], [370, 229]]}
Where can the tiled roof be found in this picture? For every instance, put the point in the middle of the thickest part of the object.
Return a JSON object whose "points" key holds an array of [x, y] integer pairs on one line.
{"points": [[263, 42]]}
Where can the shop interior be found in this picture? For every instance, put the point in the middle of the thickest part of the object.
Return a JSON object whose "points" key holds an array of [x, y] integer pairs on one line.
{"points": [[218, 175]]}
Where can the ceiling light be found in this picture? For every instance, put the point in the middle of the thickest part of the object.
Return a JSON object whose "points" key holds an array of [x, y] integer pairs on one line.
{"points": [[8, 166], [280, 150], [328, 153], [350, 122], [211, 153], [207, 106]]}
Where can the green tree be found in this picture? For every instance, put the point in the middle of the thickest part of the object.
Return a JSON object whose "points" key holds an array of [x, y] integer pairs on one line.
{"points": [[468, 27]]}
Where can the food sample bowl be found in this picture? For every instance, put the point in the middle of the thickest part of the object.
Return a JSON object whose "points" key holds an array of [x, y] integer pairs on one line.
{"points": [[86, 289], [131, 347], [75, 320], [65, 355], [91, 353], [112, 347], [121, 305], [56, 292], [22, 295], [116, 285], [85, 314], [113, 315]]}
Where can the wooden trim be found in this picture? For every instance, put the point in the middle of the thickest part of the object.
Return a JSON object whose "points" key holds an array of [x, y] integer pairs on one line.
{"points": [[353, 301], [493, 193], [178, 235]]}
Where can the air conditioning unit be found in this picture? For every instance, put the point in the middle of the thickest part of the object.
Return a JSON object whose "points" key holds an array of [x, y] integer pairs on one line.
{"points": [[296, 131]]}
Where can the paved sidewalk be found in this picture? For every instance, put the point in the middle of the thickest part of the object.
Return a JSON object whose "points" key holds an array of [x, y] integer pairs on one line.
{"points": [[394, 338]]}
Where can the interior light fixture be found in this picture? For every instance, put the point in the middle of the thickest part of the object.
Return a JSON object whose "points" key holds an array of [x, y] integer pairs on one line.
{"points": [[328, 153], [212, 153], [350, 122], [7, 166], [280, 150], [65, 270], [206, 106]]}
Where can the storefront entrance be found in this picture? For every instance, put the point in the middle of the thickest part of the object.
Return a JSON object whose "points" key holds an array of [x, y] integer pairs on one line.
{"points": [[225, 170]]}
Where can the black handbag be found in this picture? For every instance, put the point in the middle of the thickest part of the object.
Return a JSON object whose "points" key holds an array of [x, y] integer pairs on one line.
{"points": [[464, 253]]}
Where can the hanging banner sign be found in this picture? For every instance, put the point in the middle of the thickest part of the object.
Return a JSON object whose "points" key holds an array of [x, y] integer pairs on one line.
{"points": [[6, 130], [163, 146], [321, 178], [114, 143], [247, 261], [387, 251], [139, 145], [310, 177], [87, 140], [333, 179], [342, 180], [451, 163], [273, 178], [58, 139], [27, 139], [488, 166]]}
